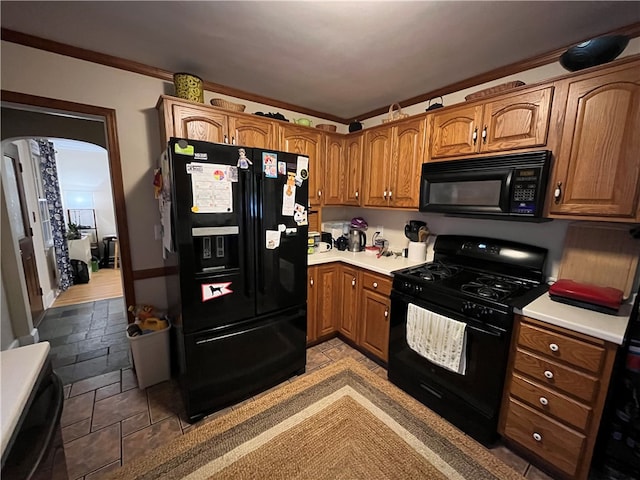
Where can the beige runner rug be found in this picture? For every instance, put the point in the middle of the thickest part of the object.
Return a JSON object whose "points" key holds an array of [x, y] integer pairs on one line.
{"points": [[340, 422]]}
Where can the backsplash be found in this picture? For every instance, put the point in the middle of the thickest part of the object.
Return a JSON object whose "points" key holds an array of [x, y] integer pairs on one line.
{"points": [[549, 235]]}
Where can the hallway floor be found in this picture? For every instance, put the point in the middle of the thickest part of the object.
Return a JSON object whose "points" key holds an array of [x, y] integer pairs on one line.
{"points": [[107, 421], [87, 339]]}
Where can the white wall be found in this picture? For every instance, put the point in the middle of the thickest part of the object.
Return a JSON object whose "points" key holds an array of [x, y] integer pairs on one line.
{"points": [[83, 167]]}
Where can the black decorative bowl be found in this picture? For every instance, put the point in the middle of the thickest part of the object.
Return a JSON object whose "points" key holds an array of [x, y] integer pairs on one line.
{"points": [[593, 52]]}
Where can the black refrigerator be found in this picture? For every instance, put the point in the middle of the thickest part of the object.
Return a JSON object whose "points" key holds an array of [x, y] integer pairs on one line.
{"points": [[239, 252]]}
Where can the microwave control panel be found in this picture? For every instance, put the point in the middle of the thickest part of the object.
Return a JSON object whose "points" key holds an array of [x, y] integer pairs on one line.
{"points": [[524, 190]]}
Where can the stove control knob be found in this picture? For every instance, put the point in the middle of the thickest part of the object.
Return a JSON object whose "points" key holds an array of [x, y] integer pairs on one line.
{"points": [[468, 308]]}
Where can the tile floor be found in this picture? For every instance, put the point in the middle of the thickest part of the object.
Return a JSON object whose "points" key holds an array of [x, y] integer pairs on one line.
{"points": [[87, 339], [107, 421]]}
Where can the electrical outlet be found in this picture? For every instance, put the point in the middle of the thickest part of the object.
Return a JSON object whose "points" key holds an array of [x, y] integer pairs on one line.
{"points": [[380, 229]]}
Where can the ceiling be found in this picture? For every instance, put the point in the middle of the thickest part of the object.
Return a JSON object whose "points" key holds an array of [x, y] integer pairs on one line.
{"points": [[342, 58]]}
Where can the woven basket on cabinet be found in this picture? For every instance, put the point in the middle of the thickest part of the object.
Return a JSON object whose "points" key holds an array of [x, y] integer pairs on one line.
{"points": [[226, 104]]}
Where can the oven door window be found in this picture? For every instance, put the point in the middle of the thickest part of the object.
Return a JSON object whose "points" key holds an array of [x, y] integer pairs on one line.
{"points": [[487, 351]]}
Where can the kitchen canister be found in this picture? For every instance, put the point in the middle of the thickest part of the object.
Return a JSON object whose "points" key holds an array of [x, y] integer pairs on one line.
{"points": [[417, 251], [189, 87]]}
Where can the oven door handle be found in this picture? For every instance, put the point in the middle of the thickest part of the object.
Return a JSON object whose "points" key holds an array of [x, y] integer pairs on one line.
{"points": [[487, 332]]}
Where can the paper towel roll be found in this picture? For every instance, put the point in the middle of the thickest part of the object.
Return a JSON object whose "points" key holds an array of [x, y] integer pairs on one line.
{"points": [[417, 251]]}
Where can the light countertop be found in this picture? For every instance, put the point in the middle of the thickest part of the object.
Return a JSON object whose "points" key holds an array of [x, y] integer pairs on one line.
{"points": [[382, 265], [19, 370], [599, 325]]}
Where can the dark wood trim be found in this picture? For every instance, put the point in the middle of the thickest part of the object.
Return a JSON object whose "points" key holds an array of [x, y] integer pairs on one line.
{"points": [[154, 272], [113, 151], [631, 31], [136, 67]]}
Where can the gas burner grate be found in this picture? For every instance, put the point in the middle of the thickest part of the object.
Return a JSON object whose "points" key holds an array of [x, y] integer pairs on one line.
{"points": [[436, 271]]}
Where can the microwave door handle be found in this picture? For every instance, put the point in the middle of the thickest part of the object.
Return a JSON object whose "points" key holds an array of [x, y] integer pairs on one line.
{"points": [[505, 198]]}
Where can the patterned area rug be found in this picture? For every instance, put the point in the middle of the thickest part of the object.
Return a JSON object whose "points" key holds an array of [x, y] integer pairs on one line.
{"points": [[340, 422]]}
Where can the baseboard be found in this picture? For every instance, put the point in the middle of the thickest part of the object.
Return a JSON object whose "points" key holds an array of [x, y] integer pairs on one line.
{"points": [[33, 337]]}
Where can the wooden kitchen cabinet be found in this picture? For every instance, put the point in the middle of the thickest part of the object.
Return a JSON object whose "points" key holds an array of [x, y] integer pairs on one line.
{"points": [[509, 122], [306, 141], [334, 169], [375, 305], [184, 119], [352, 170], [322, 303], [394, 156], [556, 386], [350, 292], [597, 167]]}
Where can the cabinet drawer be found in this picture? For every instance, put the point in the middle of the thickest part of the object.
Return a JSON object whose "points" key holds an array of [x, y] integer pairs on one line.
{"points": [[549, 402], [376, 283], [550, 440], [562, 378], [565, 349]]}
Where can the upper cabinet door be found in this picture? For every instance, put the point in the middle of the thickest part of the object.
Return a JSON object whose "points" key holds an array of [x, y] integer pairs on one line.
{"points": [[253, 132], [334, 170], [456, 132], [598, 166], [352, 180], [377, 156], [408, 156], [518, 121], [307, 142], [199, 123]]}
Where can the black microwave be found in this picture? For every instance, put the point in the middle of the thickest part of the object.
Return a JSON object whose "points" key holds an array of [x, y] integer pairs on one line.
{"points": [[505, 187]]}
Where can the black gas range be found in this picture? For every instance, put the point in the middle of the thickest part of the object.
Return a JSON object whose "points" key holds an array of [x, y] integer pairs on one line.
{"points": [[477, 281]]}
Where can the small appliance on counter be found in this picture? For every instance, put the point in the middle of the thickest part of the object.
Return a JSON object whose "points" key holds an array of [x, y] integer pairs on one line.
{"points": [[591, 297], [357, 240], [313, 239]]}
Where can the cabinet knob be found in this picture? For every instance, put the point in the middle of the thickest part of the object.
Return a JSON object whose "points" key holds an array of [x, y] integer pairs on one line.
{"points": [[353, 282], [375, 284], [557, 193], [537, 437], [484, 134], [225, 139], [475, 135], [319, 193], [554, 347], [233, 140], [386, 313], [544, 401], [548, 374], [390, 193], [311, 282], [357, 193], [384, 194]]}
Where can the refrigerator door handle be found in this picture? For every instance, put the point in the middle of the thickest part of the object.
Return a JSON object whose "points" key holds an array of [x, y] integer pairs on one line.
{"points": [[246, 224], [260, 234]]}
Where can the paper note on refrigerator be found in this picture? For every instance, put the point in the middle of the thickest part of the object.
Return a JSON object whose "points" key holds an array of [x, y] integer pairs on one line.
{"points": [[211, 185], [272, 239]]}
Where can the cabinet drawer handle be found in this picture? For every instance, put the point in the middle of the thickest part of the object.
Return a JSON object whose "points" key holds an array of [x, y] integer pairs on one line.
{"points": [[384, 194], [548, 374], [484, 134], [353, 282], [537, 437], [475, 135], [390, 193], [225, 139], [557, 193], [233, 140], [544, 401], [375, 284], [554, 347]]}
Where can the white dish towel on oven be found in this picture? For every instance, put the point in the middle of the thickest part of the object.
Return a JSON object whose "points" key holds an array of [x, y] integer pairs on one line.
{"points": [[439, 339]]}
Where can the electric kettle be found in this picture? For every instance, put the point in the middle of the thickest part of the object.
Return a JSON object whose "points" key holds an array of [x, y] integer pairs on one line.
{"points": [[357, 240]]}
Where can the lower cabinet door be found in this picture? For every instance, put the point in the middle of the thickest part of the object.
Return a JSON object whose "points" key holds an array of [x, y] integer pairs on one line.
{"points": [[555, 443], [350, 289], [375, 324]]}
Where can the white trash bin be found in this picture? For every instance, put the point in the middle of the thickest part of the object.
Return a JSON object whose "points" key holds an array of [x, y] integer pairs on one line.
{"points": [[151, 357]]}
